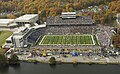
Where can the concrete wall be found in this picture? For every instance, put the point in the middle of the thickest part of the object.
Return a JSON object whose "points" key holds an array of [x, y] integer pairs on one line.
{"points": [[33, 20]]}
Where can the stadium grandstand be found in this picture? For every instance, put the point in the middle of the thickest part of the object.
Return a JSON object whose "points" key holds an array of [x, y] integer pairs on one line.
{"points": [[78, 20], [35, 36], [23, 37], [69, 23]]}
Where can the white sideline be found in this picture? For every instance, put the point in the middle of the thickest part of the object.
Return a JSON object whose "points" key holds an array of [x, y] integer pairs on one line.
{"points": [[42, 40]]}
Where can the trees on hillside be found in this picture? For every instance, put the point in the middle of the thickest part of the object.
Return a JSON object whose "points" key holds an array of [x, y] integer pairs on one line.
{"points": [[11, 16], [33, 6], [114, 6], [13, 59], [116, 41], [3, 60], [47, 8]]}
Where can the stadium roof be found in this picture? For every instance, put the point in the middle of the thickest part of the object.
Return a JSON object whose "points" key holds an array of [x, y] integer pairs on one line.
{"points": [[68, 15], [79, 20], [64, 13], [6, 21], [26, 18], [39, 26]]}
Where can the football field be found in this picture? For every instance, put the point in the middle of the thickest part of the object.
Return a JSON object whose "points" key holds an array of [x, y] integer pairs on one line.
{"points": [[67, 39]]}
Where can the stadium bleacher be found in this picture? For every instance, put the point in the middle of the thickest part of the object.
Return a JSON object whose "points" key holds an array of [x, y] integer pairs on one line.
{"points": [[79, 20], [34, 36], [70, 30]]}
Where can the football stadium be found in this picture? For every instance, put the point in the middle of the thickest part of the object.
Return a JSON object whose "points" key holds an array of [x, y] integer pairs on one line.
{"points": [[67, 31]]}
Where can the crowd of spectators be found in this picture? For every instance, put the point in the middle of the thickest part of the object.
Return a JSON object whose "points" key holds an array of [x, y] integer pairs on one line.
{"points": [[104, 35], [109, 30], [79, 20], [65, 30]]}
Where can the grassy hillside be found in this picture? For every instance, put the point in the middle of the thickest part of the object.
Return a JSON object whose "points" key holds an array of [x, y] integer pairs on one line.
{"points": [[3, 36]]}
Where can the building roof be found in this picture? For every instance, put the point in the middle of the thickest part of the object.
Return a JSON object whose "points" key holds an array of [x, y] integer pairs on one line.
{"points": [[13, 24], [26, 18], [6, 21], [19, 30], [39, 26], [79, 20]]}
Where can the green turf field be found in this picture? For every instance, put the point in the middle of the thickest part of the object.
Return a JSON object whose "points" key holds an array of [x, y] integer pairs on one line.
{"points": [[67, 39]]}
